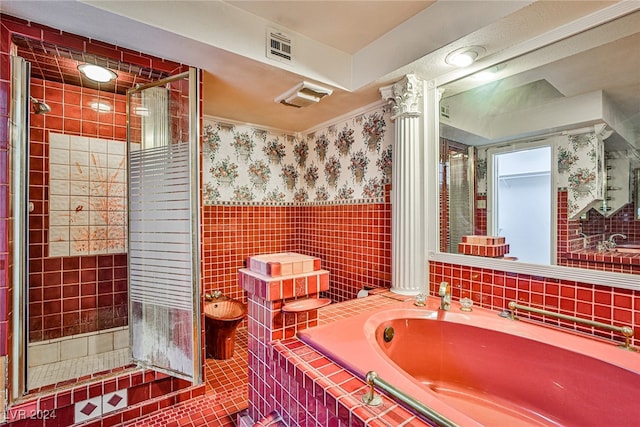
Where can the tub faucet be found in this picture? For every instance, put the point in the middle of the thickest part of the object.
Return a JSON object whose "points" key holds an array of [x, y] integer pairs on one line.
{"points": [[445, 296], [612, 239]]}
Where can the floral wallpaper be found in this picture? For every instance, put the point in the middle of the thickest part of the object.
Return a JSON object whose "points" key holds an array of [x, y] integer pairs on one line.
{"points": [[349, 160], [580, 170], [87, 188]]}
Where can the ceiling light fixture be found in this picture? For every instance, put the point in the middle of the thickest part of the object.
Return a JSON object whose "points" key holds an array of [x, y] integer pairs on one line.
{"points": [[464, 56], [97, 73], [303, 94]]}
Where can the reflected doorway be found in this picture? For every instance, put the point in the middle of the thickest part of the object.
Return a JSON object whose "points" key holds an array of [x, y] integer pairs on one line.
{"points": [[520, 200]]}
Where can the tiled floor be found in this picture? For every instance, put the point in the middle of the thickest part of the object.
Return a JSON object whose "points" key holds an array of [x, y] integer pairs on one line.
{"points": [[52, 373], [227, 381], [227, 392]]}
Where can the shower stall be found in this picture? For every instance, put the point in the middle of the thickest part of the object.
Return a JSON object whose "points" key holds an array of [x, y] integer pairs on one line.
{"points": [[101, 279]]}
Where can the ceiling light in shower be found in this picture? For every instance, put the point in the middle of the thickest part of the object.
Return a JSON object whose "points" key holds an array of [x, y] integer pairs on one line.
{"points": [[97, 73], [464, 56]]}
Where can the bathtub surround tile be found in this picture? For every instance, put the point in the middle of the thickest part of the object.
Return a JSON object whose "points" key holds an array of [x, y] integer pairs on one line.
{"points": [[494, 290], [294, 381]]}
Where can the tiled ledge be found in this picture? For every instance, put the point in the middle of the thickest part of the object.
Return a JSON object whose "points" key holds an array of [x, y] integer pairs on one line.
{"points": [[312, 390], [604, 257]]}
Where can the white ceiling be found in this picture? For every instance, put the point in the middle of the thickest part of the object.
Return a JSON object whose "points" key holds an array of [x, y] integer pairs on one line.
{"points": [[345, 25], [354, 47]]}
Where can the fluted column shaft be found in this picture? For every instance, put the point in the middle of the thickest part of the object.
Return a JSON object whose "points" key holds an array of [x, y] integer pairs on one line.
{"points": [[408, 237]]}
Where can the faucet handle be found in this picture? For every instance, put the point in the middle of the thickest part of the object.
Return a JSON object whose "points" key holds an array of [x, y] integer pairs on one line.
{"points": [[443, 289]]}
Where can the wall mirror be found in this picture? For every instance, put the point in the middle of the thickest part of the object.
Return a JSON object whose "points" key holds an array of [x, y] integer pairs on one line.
{"points": [[538, 158]]}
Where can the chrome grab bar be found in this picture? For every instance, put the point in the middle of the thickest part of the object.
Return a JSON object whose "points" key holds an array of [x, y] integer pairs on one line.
{"points": [[624, 330], [372, 399]]}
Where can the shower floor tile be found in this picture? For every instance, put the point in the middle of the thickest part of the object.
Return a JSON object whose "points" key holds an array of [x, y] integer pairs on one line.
{"points": [[52, 373]]}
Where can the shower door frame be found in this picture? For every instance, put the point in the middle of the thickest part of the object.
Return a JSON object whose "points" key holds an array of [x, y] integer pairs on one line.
{"points": [[19, 165], [194, 176]]}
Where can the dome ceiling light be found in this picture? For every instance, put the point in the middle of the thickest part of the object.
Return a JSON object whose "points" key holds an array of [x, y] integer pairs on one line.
{"points": [[97, 73], [464, 56]]}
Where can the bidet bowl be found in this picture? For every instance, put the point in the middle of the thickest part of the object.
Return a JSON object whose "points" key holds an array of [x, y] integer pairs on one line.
{"points": [[228, 310], [222, 317]]}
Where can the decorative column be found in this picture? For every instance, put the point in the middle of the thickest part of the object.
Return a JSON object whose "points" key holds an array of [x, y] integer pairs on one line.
{"points": [[408, 258]]}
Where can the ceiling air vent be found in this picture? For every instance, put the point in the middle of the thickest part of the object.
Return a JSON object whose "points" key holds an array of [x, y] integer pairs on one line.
{"points": [[279, 46]]}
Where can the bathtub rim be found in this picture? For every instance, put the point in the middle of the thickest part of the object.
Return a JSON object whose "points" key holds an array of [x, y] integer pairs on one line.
{"points": [[360, 330]]}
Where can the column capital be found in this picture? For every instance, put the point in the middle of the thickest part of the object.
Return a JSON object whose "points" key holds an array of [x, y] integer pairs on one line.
{"points": [[404, 96]]}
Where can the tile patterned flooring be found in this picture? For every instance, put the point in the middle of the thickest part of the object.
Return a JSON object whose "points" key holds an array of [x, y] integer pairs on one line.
{"points": [[227, 381], [227, 393], [52, 373]]}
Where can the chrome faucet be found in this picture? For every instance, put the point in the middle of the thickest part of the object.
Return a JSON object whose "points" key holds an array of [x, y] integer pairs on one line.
{"points": [[445, 296], [213, 295], [612, 239]]}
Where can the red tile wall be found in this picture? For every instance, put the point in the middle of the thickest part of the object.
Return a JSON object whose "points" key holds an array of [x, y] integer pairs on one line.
{"points": [[494, 289], [233, 233], [76, 294], [67, 286], [621, 222], [352, 241]]}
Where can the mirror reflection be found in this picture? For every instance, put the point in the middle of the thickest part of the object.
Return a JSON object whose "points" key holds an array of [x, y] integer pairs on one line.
{"points": [[539, 155]]}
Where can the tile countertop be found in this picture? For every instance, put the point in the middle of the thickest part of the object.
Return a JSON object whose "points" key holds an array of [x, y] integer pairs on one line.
{"points": [[604, 257], [342, 310]]}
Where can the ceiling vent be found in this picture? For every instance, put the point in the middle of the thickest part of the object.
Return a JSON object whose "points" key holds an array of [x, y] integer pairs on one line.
{"points": [[279, 45], [303, 95]]}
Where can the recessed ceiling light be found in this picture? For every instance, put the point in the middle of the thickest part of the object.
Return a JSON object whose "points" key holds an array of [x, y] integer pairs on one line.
{"points": [[464, 56], [97, 73]]}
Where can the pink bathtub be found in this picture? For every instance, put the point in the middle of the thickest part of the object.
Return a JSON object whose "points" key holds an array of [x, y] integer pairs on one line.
{"points": [[479, 369]]}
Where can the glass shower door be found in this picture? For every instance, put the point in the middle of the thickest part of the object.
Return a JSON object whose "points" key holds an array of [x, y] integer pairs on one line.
{"points": [[164, 278]]}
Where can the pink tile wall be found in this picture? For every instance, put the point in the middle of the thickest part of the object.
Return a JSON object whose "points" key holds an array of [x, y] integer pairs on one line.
{"points": [[233, 233]]}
